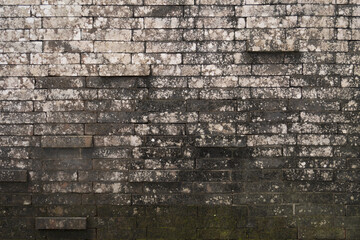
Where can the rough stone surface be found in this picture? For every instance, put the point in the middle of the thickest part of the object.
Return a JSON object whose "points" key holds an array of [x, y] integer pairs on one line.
{"points": [[179, 119]]}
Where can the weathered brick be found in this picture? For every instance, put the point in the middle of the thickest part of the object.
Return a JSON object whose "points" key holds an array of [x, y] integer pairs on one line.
{"points": [[158, 11], [260, 10], [157, 35], [50, 58], [20, 23], [124, 70], [66, 142], [101, 46], [209, 11], [178, 70], [271, 22], [13, 176], [111, 141], [170, 47], [16, 106], [123, 23], [168, 22], [68, 46], [169, 2], [23, 47], [15, 11], [63, 223], [106, 58], [67, 22], [107, 35], [55, 34], [116, 2], [276, 69], [58, 129]]}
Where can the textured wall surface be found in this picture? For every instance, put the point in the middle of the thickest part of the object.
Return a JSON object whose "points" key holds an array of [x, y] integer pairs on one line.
{"points": [[179, 119]]}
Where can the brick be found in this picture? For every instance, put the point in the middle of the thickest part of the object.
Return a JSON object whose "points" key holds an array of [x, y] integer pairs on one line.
{"points": [[264, 81], [72, 94], [13, 176], [158, 11], [18, 118], [59, 82], [106, 58], [220, 2], [63, 223], [271, 22], [54, 58], [14, 58], [68, 46], [278, 93], [23, 47], [156, 59], [170, 47], [209, 11], [66, 142], [51, 176], [61, 105], [276, 69], [101, 46], [58, 34], [20, 23], [117, 141], [67, 22], [16, 129], [124, 70], [115, 2], [169, 22], [157, 35], [174, 117], [15, 11], [58, 129], [18, 2], [107, 35], [178, 70], [311, 34], [310, 9], [67, 2], [72, 70], [123, 23], [260, 10], [317, 22], [169, 2], [287, 45]]}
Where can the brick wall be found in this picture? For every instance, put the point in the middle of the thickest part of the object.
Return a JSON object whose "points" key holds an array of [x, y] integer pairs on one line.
{"points": [[179, 119]]}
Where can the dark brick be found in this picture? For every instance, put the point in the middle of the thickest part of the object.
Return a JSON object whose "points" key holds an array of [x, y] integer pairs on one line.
{"points": [[63, 223], [13, 176], [66, 142]]}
